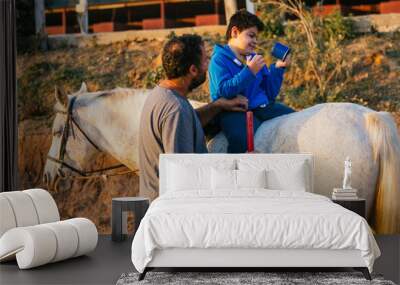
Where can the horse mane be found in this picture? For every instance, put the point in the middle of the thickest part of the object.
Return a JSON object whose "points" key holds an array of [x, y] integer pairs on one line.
{"points": [[109, 93], [88, 98]]}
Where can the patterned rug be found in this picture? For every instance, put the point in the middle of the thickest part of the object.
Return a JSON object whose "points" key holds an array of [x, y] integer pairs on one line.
{"points": [[243, 278]]}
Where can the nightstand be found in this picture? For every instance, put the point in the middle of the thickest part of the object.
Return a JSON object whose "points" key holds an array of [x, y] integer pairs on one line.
{"points": [[138, 205], [356, 205]]}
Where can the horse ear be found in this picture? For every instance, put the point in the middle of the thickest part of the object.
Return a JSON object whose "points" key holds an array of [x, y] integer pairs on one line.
{"points": [[83, 88], [61, 98]]}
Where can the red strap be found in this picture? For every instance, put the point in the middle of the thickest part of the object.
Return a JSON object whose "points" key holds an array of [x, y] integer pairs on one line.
{"points": [[250, 131]]}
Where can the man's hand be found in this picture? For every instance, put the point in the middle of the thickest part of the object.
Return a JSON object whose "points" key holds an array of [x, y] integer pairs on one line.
{"points": [[256, 63], [279, 63], [237, 104], [209, 111]]}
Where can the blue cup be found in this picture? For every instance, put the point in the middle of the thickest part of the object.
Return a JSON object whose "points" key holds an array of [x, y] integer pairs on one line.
{"points": [[280, 51]]}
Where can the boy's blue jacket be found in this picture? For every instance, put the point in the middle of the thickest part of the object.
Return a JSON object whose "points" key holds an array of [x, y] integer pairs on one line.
{"points": [[229, 77]]}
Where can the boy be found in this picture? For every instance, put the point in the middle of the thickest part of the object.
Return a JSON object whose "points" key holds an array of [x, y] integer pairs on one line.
{"points": [[236, 70]]}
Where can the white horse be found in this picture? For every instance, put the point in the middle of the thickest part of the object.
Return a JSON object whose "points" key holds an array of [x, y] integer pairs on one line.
{"points": [[109, 122]]}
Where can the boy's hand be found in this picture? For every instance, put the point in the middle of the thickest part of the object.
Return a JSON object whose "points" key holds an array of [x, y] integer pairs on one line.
{"points": [[279, 63], [256, 63], [237, 104]]}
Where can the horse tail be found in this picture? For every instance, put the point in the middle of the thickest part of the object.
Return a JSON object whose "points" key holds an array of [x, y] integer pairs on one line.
{"points": [[385, 141]]}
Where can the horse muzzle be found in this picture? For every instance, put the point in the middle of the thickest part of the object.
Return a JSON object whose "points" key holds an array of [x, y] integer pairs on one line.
{"points": [[49, 179]]}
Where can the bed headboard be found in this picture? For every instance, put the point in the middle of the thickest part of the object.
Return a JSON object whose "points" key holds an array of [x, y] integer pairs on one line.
{"points": [[212, 159]]}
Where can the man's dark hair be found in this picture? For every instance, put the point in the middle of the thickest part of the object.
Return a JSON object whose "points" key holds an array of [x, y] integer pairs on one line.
{"points": [[180, 53], [243, 20]]}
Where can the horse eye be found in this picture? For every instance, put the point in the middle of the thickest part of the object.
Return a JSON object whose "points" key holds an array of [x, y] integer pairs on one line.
{"points": [[57, 133]]}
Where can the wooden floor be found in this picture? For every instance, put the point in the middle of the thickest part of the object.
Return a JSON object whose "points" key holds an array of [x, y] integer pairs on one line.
{"points": [[111, 259]]}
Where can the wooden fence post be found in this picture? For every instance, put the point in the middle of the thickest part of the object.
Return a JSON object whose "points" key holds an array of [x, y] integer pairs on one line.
{"points": [[250, 6], [40, 18], [230, 9], [83, 16]]}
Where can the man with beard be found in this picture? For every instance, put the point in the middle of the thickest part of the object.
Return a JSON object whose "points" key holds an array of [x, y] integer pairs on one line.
{"points": [[169, 124]]}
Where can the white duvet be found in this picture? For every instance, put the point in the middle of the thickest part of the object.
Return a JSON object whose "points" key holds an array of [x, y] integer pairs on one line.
{"points": [[250, 219]]}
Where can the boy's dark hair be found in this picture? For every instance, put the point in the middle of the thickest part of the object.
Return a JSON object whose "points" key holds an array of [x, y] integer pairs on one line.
{"points": [[180, 53], [243, 20]]}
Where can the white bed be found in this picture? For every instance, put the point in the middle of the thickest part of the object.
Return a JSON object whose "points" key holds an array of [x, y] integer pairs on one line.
{"points": [[241, 227]]}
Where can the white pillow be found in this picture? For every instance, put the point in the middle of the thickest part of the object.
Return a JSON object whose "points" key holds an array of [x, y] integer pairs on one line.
{"points": [[290, 175], [182, 177], [226, 179], [223, 179], [292, 179], [192, 174], [251, 178]]}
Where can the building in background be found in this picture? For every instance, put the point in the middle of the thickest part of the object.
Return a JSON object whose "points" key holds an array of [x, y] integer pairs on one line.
{"points": [[120, 15], [356, 7]]}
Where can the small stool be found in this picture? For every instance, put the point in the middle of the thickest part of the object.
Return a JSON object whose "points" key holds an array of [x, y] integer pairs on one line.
{"points": [[138, 205]]}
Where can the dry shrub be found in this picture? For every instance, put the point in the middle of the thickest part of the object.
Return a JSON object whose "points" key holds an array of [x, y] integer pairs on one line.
{"points": [[319, 71]]}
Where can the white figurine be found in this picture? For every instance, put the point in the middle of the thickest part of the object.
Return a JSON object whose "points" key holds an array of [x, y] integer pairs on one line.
{"points": [[347, 174]]}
